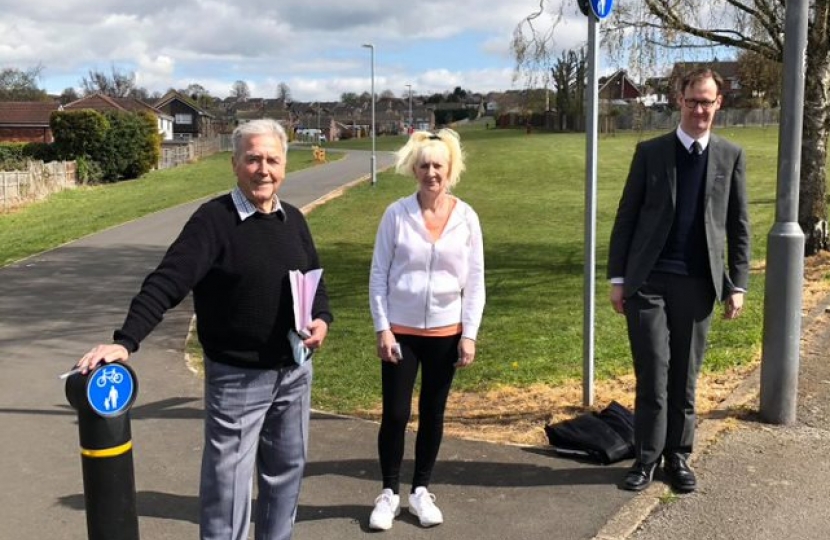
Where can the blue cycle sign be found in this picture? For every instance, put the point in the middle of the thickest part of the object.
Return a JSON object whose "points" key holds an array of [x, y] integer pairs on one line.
{"points": [[110, 389], [602, 8]]}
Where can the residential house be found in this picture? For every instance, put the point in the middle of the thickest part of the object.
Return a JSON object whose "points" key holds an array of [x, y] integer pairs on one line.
{"points": [[657, 93], [103, 103], [618, 87], [189, 120], [26, 121], [336, 120]]}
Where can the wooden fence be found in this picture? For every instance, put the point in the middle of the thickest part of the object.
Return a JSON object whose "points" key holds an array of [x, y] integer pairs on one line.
{"points": [[174, 153], [37, 182], [633, 118]]}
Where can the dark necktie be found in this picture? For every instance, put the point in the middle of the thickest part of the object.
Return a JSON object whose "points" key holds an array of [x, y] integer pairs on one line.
{"points": [[695, 148]]}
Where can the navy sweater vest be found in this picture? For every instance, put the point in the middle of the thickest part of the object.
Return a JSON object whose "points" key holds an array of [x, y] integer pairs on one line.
{"points": [[685, 252]]}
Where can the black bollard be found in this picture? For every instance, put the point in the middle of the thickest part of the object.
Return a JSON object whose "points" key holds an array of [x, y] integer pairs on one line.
{"points": [[103, 398]]}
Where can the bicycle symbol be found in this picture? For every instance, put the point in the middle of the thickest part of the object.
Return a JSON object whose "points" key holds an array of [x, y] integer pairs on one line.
{"points": [[109, 375]]}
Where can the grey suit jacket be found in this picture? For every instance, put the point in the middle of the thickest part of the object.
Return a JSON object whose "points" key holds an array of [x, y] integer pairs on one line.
{"points": [[647, 208]]}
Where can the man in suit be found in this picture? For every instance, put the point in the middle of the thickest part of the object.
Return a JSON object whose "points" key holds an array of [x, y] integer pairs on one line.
{"points": [[684, 204]]}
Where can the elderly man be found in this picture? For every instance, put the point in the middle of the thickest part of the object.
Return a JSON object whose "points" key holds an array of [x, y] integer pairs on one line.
{"points": [[235, 254]]}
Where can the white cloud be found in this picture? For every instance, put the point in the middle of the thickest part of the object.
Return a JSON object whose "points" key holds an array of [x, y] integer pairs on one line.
{"points": [[312, 45]]}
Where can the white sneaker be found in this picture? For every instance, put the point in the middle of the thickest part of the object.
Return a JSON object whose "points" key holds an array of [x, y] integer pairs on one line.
{"points": [[422, 504], [387, 508]]}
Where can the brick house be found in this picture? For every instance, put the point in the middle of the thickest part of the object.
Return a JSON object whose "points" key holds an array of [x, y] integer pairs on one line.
{"points": [[26, 121]]}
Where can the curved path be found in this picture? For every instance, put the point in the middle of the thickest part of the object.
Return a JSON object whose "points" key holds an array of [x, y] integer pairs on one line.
{"points": [[57, 304]]}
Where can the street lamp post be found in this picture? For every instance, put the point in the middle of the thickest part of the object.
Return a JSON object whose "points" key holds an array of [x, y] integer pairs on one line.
{"points": [[409, 86], [371, 48]]}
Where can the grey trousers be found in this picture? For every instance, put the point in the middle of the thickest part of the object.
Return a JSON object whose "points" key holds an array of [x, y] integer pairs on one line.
{"points": [[668, 321], [253, 418]]}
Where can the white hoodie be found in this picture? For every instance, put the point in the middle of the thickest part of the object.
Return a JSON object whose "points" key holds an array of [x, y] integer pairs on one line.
{"points": [[417, 283]]}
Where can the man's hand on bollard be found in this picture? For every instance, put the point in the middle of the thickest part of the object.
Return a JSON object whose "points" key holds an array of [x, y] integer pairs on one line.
{"points": [[106, 353]]}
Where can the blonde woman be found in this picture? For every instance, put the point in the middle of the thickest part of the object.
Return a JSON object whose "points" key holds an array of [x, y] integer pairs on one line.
{"points": [[427, 298]]}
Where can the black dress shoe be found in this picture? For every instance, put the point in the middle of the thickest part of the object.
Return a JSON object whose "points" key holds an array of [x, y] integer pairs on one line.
{"points": [[639, 476], [680, 475]]}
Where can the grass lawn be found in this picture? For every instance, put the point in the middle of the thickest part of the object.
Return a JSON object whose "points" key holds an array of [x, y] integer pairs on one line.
{"points": [[72, 214], [529, 193]]}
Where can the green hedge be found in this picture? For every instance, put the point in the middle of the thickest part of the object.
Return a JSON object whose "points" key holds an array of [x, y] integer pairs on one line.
{"points": [[15, 156], [109, 147], [78, 133], [11, 156]]}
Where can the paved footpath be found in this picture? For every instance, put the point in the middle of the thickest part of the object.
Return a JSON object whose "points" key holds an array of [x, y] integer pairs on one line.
{"points": [[58, 304], [759, 481]]}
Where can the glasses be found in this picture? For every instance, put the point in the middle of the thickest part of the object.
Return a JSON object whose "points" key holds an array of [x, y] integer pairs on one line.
{"points": [[704, 104]]}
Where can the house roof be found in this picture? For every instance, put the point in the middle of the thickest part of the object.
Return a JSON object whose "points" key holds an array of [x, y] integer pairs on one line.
{"points": [[175, 95], [619, 77], [101, 102], [27, 113], [97, 102], [136, 105]]}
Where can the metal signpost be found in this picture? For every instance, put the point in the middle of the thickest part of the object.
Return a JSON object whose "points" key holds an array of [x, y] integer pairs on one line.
{"points": [[371, 48], [599, 9], [409, 87]]}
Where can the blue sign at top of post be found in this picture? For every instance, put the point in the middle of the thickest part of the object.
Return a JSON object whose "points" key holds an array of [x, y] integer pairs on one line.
{"points": [[110, 389], [602, 8]]}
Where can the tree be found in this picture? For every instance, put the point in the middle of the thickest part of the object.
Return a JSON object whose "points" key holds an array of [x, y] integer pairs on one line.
{"points": [[283, 92], [652, 27], [115, 84], [69, 95], [533, 45], [760, 79], [240, 91], [568, 77], [198, 94], [387, 94], [21, 85], [435, 98], [350, 98], [139, 92]]}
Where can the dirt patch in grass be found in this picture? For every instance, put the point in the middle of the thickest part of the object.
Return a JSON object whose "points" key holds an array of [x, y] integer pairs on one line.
{"points": [[518, 415]]}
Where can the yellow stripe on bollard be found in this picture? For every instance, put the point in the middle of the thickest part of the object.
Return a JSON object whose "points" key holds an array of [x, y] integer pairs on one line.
{"points": [[108, 452]]}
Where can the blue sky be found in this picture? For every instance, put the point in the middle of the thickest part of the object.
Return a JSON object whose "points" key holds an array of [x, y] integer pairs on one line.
{"points": [[314, 46]]}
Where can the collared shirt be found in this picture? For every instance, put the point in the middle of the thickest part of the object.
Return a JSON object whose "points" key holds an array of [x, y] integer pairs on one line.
{"points": [[687, 140], [246, 209]]}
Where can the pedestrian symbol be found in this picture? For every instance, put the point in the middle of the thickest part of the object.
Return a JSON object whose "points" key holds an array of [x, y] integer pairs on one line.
{"points": [[110, 389], [601, 8]]}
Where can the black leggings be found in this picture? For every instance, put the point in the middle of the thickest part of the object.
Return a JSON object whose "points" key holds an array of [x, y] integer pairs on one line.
{"points": [[436, 355]]}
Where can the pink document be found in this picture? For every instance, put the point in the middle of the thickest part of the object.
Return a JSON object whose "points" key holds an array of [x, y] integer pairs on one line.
{"points": [[303, 289]]}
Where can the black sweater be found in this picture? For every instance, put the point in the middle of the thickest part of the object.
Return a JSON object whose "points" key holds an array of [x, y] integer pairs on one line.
{"points": [[238, 272], [685, 252]]}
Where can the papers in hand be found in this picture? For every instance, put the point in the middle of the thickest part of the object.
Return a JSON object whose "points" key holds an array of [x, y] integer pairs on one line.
{"points": [[303, 289]]}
